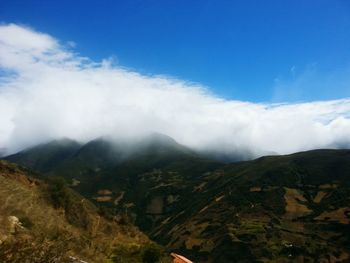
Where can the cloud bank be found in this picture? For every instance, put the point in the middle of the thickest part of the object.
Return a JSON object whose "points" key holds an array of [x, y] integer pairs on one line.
{"points": [[47, 91]]}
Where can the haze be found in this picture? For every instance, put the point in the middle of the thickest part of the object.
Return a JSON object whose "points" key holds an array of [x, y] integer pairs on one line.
{"points": [[49, 91]]}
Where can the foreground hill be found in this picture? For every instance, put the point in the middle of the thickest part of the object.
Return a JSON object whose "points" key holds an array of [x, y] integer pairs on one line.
{"points": [[44, 221], [293, 208]]}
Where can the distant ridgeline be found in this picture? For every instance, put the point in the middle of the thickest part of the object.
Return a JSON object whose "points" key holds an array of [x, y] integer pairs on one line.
{"points": [[293, 208]]}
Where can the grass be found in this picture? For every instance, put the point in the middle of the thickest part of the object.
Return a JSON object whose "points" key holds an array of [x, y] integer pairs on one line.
{"points": [[56, 222]]}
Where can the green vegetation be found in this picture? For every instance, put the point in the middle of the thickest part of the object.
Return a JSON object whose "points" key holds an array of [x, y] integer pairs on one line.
{"points": [[134, 253], [59, 193], [26, 222], [263, 210]]}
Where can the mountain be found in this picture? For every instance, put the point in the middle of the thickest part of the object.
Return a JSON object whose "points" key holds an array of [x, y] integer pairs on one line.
{"points": [[277, 208], [273, 209], [69, 156], [293, 208], [2, 152], [45, 221], [42, 157]]}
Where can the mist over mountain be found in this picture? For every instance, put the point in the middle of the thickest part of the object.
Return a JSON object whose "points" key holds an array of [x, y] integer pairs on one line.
{"points": [[48, 91], [174, 131], [65, 155]]}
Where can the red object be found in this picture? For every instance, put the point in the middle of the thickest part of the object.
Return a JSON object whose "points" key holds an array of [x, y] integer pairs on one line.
{"points": [[180, 259]]}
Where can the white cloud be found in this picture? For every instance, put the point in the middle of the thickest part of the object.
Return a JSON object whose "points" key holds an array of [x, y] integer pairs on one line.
{"points": [[49, 92]]}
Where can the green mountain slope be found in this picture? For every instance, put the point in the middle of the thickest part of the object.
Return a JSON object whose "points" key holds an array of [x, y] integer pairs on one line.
{"points": [[47, 155], [70, 159], [281, 208], [292, 208]]}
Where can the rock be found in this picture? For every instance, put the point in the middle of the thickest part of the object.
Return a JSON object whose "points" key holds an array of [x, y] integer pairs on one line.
{"points": [[14, 224]]}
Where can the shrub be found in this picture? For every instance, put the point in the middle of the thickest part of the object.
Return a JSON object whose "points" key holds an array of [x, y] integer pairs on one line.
{"points": [[151, 254], [26, 222], [132, 253], [58, 191]]}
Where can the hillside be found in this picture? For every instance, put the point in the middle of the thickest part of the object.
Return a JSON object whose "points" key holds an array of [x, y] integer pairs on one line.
{"points": [[281, 208], [44, 156], [70, 158], [293, 208], [44, 221], [278, 208]]}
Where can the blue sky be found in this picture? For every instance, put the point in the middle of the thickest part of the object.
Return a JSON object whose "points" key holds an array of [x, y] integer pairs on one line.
{"points": [[259, 51]]}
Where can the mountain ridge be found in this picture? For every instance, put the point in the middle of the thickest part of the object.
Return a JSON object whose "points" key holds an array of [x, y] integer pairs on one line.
{"points": [[264, 210]]}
